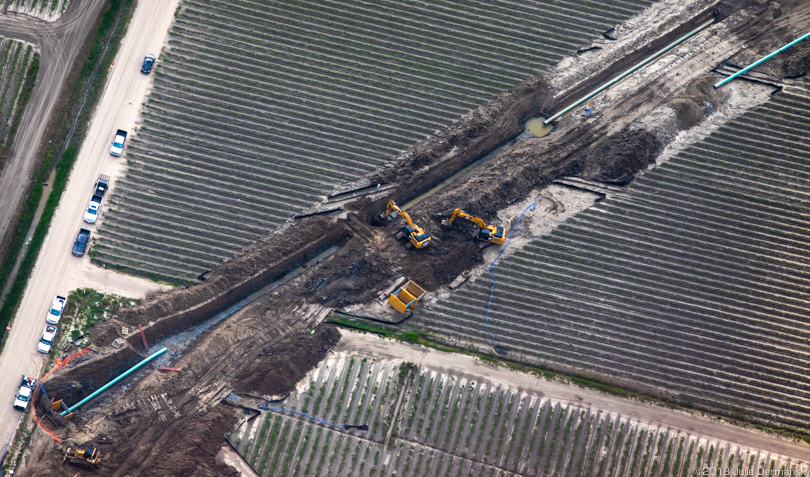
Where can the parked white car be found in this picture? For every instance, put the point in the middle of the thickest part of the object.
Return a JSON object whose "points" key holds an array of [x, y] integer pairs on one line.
{"points": [[46, 341], [56, 310]]}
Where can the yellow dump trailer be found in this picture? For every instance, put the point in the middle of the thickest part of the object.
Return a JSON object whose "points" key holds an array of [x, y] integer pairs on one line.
{"points": [[406, 297]]}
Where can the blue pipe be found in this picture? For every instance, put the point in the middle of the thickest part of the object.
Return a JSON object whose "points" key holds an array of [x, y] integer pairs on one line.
{"points": [[753, 65], [281, 409], [628, 72], [111, 383], [492, 290]]}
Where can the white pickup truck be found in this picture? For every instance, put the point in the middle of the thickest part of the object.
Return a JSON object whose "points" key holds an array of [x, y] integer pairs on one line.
{"points": [[118, 143], [55, 312], [24, 393], [91, 214]]}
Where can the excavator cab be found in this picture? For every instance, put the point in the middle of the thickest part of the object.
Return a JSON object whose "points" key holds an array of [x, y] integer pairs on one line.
{"points": [[492, 234], [487, 233], [417, 236]]}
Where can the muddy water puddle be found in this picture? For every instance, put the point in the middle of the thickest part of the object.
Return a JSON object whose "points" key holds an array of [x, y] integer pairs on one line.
{"points": [[536, 128]]}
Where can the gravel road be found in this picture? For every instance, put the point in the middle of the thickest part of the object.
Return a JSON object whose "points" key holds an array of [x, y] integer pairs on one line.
{"points": [[56, 270]]}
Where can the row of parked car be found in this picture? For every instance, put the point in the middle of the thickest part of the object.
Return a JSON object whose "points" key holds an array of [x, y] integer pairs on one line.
{"points": [[91, 214], [27, 384], [117, 148], [55, 313]]}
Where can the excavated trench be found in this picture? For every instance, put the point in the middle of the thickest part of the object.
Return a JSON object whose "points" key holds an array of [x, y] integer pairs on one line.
{"points": [[179, 330], [430, 167], [180, 316], [427, 169]]}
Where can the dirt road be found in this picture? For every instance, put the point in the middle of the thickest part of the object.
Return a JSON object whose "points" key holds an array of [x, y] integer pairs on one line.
{"points": [[57, 271], [59, 42], [371, 346]]}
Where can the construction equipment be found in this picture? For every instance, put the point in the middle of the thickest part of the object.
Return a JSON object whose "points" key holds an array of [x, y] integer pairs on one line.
{"points": [[406, 297], [416, 235], [487, 233], [88, 457]]}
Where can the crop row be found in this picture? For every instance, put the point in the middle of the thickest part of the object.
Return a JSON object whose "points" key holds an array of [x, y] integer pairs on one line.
{"points": [[46, 9], [259, 109], [694, 282], [451, 425], [16, 60]]}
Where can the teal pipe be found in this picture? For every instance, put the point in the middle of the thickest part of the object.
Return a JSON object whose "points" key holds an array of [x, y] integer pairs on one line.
{"points": [[754, 65], [119, 378], [629, 72]]}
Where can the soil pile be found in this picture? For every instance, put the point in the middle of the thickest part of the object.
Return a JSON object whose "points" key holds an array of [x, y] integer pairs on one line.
{"points": [[617, 158], [278, 368], [352, 274], [286, 246], [699, 100], [797, 62]]}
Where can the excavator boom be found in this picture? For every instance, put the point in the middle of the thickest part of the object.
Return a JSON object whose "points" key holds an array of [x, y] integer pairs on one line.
{"points": [[418, 237], [487, 233]]}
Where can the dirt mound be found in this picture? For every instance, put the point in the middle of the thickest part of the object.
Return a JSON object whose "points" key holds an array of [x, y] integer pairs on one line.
{"points": [[353, 274], [699, 100], [688, 112], [284, 364], [797, 61], [617, 158], [285, 243], [193, 450]]}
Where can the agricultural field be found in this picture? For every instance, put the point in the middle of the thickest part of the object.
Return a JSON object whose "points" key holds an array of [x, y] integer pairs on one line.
{"points": [[693, 285], [259, 110], [46, 9], [422, 422], [19, 63]]}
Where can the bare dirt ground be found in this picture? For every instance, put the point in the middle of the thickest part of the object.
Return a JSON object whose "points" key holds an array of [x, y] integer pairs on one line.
{"points": [[266, 348], [59, 43], [228, 456], [57, 271], [372, 346]]}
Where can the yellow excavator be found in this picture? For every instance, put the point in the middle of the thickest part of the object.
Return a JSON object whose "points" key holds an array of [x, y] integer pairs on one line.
{"points": [[416, 234], [487, 233]]}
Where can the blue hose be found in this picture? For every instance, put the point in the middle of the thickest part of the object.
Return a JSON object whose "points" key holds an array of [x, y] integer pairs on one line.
{"points": [[492, 291], [280, 409]]}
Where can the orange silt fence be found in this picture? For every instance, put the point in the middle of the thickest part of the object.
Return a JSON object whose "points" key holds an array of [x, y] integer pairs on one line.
{"points": [[60, 363]]}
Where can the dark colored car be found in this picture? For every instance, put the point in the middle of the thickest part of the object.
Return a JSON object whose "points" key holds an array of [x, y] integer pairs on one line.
{"points": [[148, 63], [81, 242]]}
